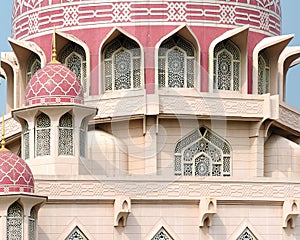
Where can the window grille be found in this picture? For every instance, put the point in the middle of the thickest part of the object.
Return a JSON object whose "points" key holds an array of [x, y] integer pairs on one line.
{"points": [[65, 136], [176, 63], [202, 153], [122, 64], [263, 74], [76, 234], [73, 57], [227, 66], [162, 234], [14, 222], [26, 140], [247, 235], [43, 131], [82, 140], [32, 224], [34, 64]]}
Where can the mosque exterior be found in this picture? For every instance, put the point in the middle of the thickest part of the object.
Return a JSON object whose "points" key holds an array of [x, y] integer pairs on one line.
{"points": [[149, 120]]}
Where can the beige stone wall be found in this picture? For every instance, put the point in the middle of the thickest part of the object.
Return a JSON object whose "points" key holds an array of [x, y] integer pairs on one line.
{"points": [[180, 219]]}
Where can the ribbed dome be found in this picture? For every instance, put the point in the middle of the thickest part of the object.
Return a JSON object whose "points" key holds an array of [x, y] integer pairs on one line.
{"points": [[15, 175], [54, 84]]}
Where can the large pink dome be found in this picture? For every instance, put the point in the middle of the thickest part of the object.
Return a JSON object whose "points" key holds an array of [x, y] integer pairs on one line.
{"points": [[54, 84], [15, 175]]}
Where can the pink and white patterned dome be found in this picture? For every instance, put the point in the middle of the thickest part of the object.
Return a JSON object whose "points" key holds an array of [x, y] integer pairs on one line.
{"points": [[54, 84], [15, 175]]}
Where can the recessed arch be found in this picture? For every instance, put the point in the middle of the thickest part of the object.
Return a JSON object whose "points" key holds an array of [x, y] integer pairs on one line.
{"points": [[271, 47], [238, 36], [75, 54], [202, 153], [121, 62], [24, 51], [288, 59], [9, 73], [191, 61]]}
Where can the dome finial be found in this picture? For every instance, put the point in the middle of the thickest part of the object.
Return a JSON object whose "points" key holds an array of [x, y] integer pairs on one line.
{"points": [[2, 149], [54, 60]]}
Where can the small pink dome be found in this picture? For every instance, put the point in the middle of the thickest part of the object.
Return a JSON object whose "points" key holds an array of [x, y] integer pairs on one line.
{"points": [[15, 175], [54, 84]]}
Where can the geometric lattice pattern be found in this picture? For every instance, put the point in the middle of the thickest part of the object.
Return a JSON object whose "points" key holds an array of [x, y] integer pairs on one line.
{"points": [[34, 64], [52, 84], [15, 175], [263, 74], [26, 144], [82, 139], [202, 153], [31, 16], [43, 137], [247, 235], [76, 234], [65, 136], [73, 57], [227, 64], [176, 63], [32, 225], [14, 222], [122, 64], [162, 234]]}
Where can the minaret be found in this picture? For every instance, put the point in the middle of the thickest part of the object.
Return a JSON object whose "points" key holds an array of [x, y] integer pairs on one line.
{"points": [[53, 120]]}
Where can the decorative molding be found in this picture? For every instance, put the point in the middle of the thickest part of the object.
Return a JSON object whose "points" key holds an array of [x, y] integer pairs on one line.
{"points": [[29, 17], [168, 189], [213, 106], [289, 117], [207, 208], [290, 211], [122, 208]]}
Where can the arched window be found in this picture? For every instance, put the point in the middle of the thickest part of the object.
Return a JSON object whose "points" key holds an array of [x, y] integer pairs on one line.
{"points": [[263, 74], [65, 136], [122, 64], [73, 57], [162, 234], [34, 64], [227, 66], [82, 140], [176, 63], [14, 222], [32, 225], [76, 234], [26, 140], [43, 131], [202, 153], [247, 235]]}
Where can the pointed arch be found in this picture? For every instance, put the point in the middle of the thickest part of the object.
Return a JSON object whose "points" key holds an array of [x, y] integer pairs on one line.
{"points": [[238, 37], [32, 224], [10, 70], [161, 231], [15, 221], [42, 135], [75, 55], [288, 59], [177, 61], [245, 231], [272, 48], [227, 66], [263, 73], [122, 62], [26, 142], [25, 51], [202, 153], [76, 234], [75, 229], [65, 135]]}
